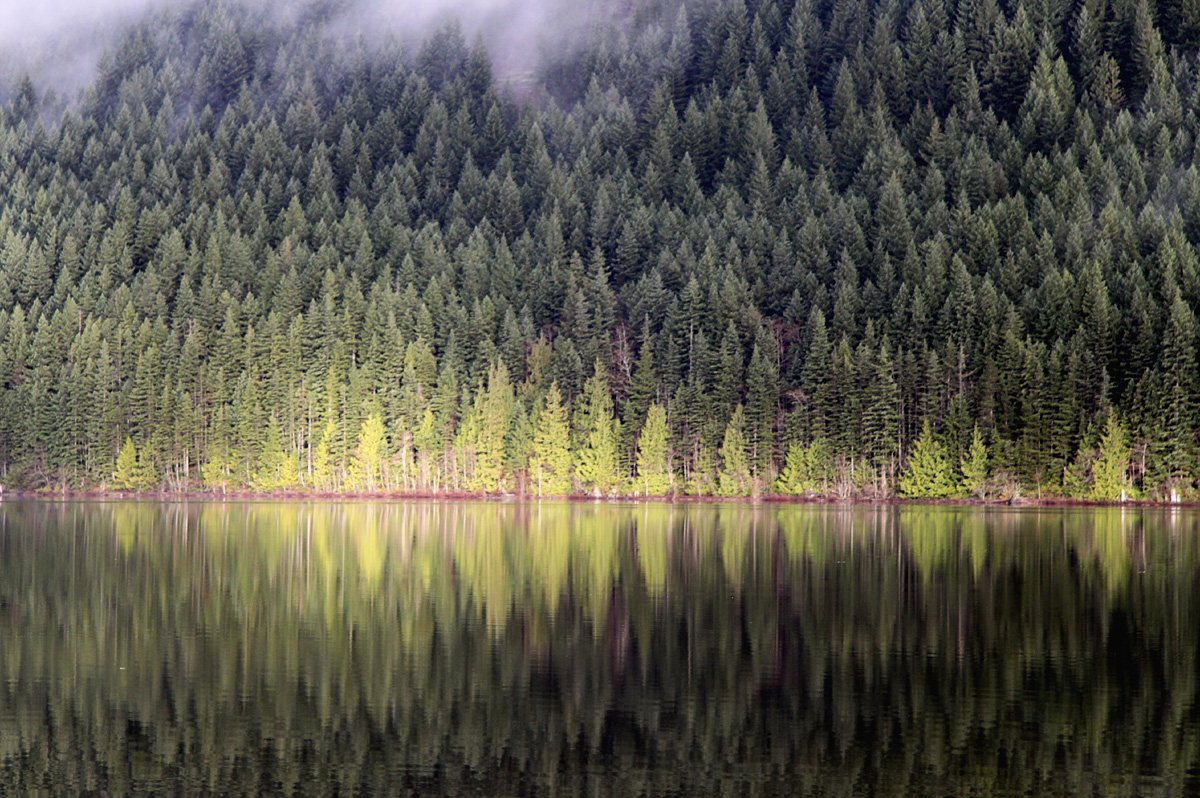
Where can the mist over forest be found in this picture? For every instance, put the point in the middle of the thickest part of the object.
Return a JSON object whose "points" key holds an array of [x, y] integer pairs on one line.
{"points": [[60, 43], [810, 247]]}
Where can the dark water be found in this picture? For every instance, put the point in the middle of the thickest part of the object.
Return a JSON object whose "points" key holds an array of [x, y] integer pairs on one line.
{"points": [[597, 650]]}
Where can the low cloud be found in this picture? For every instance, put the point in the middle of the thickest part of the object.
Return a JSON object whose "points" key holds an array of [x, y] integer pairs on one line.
{"points": [[60, 41]]}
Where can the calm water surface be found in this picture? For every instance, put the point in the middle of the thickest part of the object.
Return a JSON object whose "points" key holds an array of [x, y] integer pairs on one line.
{"points": [[482, 649]]}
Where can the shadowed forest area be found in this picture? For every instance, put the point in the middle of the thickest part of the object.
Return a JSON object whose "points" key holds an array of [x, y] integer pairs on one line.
{"points": [[731, 247]]}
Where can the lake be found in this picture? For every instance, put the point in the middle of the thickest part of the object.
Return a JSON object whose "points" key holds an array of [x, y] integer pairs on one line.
{"points": [[580, 649]]}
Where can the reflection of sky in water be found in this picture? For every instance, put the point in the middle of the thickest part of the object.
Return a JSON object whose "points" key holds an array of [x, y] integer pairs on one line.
{"points": [[571, 649]]}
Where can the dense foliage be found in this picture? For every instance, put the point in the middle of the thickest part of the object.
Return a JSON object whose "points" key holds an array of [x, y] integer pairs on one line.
{"points": [[795, 233]]}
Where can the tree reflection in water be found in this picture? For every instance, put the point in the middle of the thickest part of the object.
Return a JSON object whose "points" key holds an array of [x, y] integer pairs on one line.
{"points": [[488, 649]]}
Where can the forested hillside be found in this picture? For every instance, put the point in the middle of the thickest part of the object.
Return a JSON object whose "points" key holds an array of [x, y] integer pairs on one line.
{"points": [[722, 246]]}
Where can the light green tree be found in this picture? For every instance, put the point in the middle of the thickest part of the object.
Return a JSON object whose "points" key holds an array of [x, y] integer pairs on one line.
{"points": [[493, 412], [596, 461], [806, 469], [127, 476], [975, 467], [270, 474], [734, 476], [928, 475], [215, 471], [703, 477], [654, 454], [550, 467], [368, 455], [322, 466], [1110, 473]]}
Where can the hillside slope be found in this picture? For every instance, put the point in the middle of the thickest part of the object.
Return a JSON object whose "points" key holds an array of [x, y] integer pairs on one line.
{"points": [[711, 244]]}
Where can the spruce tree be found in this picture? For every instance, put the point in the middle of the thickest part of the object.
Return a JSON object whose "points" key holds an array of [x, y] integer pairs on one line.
{"points": [[975, 467], [928, 474], [654, 472], [596, 462], [734, 477], [550, 465], [1110, 472]]}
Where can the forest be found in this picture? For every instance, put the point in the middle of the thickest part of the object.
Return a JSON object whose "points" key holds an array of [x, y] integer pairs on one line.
{"points": [[844, 248]]}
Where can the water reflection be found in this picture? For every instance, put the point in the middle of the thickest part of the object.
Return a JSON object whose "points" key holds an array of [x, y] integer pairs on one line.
{"points": [[601, 650]]}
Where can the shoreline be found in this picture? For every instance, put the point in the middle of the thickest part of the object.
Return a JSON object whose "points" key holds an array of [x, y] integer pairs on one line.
{"points": [[578, 498]]}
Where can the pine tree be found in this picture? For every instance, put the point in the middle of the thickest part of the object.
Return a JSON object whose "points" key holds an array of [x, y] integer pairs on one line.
{"points": [[550, 466], [807, 469], [1110, 472], [975, 467], [734, 476], [654, 471], [762, 392], [929, 474], [322, 465], [703, 480], [127, 476], [371, 444], [596, 459], [493, 413]]}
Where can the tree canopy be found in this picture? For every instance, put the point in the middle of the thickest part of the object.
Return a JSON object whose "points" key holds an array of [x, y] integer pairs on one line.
{"points": [[251, 254]]}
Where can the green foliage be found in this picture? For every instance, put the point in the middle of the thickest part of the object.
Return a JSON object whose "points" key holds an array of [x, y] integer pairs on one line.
{"points": [[368, 457], [322, 466], [654, 473], [1110, 472], [929, 474], [237, 260], [596, 461], [128, 474], [703, 479], [493, 414], [550, 465], [975, 467], [807, 469], [734, 477]]}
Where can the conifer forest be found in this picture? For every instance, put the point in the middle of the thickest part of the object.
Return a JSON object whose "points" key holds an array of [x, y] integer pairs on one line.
{"points": [[853, 248]]}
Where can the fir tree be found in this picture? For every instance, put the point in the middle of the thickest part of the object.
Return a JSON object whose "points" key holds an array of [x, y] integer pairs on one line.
{"points": [[654, 472], [806, 470], [1110, 472], [975, 467], [734, 476], [127, 476], [550, 465], [596, 460], [929, 474]]}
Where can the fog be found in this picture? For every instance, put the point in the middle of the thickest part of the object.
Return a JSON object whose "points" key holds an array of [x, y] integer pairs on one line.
{"points": [[26, 22], [60, 42]]}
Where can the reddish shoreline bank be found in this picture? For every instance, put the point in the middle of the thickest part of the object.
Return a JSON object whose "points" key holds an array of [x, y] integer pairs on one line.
{"points": [[579, 498]]}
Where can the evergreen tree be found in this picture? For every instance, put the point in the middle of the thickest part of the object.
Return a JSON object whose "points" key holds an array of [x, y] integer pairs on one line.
{"points": [[989, 220], [550, 465], [596, 463], [975, 467], [127, 476], [806, 470], [493, 413], [1110, 472], [654, 472], [369, 450], [929, 474], [734, 476]]}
